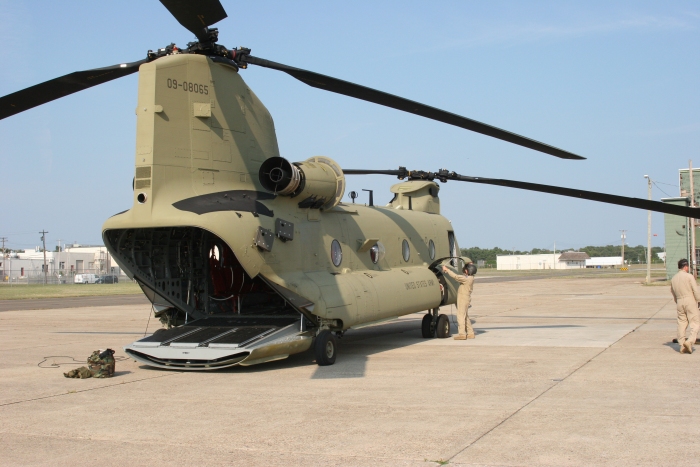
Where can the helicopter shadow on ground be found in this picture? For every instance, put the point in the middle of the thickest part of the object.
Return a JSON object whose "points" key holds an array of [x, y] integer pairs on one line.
{"points": [[354, 349]]}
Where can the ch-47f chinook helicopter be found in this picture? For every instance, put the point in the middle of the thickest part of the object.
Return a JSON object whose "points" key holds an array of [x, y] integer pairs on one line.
{"points": [[248, 257]]}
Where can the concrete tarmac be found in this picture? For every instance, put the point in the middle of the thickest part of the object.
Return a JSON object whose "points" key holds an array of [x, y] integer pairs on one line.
{"points": [[562, 372], [73, 302]]}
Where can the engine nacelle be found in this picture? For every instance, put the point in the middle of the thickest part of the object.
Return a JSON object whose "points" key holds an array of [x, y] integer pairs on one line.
{"points": [[318, 181]]}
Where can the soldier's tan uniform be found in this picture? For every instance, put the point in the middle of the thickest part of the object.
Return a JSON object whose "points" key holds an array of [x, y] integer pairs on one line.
{"points": [[464, 298], [686, 295]]}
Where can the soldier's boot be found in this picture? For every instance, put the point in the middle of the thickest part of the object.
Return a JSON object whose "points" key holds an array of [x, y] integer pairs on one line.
{"points": [[460, 337], [471, 336], [688, 346], [682, 345]]}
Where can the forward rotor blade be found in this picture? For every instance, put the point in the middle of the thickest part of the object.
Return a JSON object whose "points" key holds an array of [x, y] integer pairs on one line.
{"points": [[196, 15], [395, 102], [48, 91], [637, 203]]}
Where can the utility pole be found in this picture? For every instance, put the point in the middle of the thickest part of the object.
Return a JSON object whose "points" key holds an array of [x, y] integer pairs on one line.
{"points": [[691, 222], [4, 239], [648, 232], [554, 256], [43, 239], [623, 236]]}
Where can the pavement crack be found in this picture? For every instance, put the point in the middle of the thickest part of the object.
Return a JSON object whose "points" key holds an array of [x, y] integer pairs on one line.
{"points": [[555, 384], [89, 389]]}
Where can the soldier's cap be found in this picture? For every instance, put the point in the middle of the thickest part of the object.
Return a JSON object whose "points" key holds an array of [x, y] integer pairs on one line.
{"points": [[682, 263]]}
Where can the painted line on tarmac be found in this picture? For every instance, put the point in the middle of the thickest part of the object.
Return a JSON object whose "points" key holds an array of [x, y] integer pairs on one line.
{"points": [[90, 389], [556, 383]]}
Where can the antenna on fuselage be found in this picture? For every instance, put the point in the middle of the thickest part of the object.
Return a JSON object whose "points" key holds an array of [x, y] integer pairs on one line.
{"points": [[371, 197]]}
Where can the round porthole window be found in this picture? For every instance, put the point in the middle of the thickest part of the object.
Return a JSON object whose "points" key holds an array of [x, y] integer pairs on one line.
{"points": [[377, 252], [406, 250], [336, 253], [431, 249]]}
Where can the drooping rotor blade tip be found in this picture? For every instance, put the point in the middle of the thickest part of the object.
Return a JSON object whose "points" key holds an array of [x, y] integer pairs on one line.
{"points": [[62, 86], [357, 91]]}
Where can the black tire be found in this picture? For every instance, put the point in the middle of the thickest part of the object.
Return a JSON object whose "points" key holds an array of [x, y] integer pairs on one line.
{"points": [[426, 326], [325, 348], [443, 326]]}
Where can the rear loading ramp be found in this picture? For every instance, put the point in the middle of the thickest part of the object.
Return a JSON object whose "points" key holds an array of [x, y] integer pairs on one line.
{"points": [[221, 342]]}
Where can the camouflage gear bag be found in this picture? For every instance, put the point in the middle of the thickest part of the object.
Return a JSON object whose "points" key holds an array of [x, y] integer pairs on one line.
{"points": [[100, 365]]}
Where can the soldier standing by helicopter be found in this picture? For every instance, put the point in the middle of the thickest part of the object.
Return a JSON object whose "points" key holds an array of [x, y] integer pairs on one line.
{"points": [[464, 298], [686, 295]]}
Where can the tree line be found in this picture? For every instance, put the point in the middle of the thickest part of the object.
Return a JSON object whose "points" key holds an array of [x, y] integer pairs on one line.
{"points": [[633, 254]]}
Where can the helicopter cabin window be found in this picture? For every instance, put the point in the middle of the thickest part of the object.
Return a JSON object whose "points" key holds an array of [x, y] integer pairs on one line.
{"points": [[431, 249], [453, 248], [377, 252], [336, 253], [406, 250]]}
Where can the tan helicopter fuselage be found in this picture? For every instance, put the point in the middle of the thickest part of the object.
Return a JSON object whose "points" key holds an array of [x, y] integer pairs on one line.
{"points": [[203, 231]]}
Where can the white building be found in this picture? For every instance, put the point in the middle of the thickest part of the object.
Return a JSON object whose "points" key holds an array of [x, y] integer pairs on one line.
{"points": [[604, 262], [566, 260], [60, 265]]}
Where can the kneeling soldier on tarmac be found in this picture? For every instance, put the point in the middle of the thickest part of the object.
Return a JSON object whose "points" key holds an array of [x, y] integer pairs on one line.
{"points": [[464, 298], [686, 295]]}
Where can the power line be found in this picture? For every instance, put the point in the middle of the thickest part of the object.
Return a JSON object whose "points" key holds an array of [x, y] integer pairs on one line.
{"points": [[669, 184], [662, 191]]}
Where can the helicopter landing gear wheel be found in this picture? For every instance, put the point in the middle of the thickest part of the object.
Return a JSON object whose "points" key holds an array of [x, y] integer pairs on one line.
{"points": [[426, 326], [443, 327], [325, 348]]}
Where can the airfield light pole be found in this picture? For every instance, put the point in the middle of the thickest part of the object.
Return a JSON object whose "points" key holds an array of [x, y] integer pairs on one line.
{"points": [[648, 231], [623, 236], [691, 222], [43, 239], [4, 239]]}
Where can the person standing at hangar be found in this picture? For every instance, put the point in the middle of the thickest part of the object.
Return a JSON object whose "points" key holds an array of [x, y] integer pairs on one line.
{"points": [[464, 298], [686, 295]]}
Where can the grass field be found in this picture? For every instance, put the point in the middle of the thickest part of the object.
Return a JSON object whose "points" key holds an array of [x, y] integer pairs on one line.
{"points": [[21, 292]]}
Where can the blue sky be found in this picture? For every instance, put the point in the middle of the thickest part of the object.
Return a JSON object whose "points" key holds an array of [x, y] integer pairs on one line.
{"points": [[616, 82]]}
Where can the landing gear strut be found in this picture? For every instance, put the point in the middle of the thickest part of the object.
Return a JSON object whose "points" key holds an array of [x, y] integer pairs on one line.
{"points": [[435, 325]]}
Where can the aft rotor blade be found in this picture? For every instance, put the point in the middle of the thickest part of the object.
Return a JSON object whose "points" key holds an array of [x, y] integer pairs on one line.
{"points": [[48, 91], [637, 203], [357, 91], [196, 15]]}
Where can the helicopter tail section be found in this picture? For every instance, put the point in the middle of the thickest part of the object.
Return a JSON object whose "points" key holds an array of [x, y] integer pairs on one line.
{"points": [[216, 314]]}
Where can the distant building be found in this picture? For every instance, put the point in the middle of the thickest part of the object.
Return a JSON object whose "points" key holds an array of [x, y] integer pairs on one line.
{"points": [[61, 266], [676, 231], [604, 262], [574, 259], [566, 260]]}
